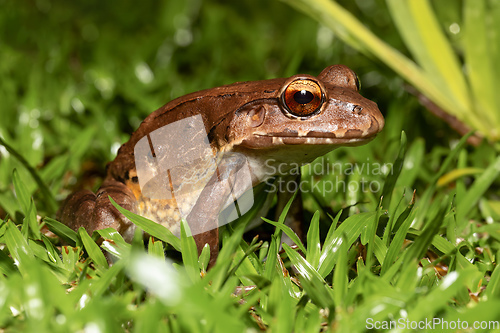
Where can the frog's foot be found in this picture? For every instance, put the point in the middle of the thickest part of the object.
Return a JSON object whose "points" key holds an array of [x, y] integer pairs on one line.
{"points": [[95, 211]]}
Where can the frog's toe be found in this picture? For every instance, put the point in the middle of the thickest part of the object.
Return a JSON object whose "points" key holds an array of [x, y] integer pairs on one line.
{"points": [[95, 211]]}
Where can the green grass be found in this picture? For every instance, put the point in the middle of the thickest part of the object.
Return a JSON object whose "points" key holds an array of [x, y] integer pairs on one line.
{"points": [[422, 243], [362, 271]]}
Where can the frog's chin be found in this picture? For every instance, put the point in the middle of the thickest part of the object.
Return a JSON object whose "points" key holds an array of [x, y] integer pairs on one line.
{"points": [[270, 141]]}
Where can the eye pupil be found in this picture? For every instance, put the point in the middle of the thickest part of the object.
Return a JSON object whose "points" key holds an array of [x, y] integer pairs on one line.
{"points": [[303, 96]]}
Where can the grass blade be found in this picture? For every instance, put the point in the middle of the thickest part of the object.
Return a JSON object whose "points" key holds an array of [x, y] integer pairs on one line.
{"points": [[421, 244], [47, 197], [92, 248], [392, 178], [152, 228], [431, 48], [311, 280], [352, 228], [313, 244], [340, 274], [189, 252], [477, 190], [114, 243], [61, 230], [289, 232], [480, 64]]}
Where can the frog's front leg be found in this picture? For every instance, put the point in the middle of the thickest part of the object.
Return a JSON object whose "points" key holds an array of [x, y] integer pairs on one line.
{"points": [[231, 180], [94, 211]]}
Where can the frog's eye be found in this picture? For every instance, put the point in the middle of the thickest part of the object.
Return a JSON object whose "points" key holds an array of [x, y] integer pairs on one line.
{"points": [[302, 98]]}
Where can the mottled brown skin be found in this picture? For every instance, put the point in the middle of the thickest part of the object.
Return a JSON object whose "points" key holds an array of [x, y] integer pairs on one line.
{"points": [[248, 118]]}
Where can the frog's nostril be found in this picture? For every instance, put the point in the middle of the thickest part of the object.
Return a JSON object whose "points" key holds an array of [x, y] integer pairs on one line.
{"points": [[357, 109]]}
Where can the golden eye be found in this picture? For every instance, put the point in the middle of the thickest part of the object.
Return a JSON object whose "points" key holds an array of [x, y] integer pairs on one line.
{"points": [[302, 98]]}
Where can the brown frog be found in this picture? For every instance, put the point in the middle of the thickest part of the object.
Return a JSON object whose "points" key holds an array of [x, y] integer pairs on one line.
{"points": [[188, 158]]}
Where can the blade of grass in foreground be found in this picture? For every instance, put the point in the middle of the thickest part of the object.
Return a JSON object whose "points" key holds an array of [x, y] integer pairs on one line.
{"points": [[152, 228], [313, 243], [16, 243], [313, 283], [352, 228], [92, 248], [61, 230], [289, 232], [189, 252]]}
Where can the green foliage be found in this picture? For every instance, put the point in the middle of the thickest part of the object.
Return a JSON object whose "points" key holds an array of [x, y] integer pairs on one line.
{"points": [[332, 283]]}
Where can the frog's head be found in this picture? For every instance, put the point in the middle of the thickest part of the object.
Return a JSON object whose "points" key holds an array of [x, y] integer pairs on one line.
{"points": [[307, 116]]}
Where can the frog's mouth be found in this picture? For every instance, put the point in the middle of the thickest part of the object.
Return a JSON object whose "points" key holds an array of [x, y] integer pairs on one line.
{"points": [[312, 138]]}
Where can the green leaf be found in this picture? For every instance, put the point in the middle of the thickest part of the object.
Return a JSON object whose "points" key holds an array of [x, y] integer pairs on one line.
{"points": [[152, 228], [7, 266], [23, 197], [114, 243], [340, 274], [32, 221], [392, 178], [189, 252], [16, 243], [312, 281], [477, 190], [52, 254], [412, 163], [219, 273], [92, 249], [352, 228], [289, 232], [270, 268], [61, 230], [103, 283], [493, 288], [423, 35], [429, 192], [47, 196], [439, 297], [481, 71], [313, 243], [403, 224], [155, 248], [204, 258], [421, 244], [333, 227]]}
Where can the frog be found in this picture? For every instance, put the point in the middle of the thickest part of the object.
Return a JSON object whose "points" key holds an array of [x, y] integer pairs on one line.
{"points": [[232, 132]]}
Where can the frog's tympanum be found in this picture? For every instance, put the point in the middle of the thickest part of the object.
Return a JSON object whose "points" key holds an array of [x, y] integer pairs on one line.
{"points": [[199, 156]]}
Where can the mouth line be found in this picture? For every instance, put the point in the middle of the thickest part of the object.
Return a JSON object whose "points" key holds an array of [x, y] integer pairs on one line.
{"points": [[268, 140], [313, 137]]}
